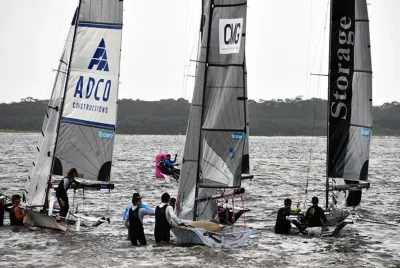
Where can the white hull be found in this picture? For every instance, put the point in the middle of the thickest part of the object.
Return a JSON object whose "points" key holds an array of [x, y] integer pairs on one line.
{"points": [[225, 239], [337, 219], [41, 220]]}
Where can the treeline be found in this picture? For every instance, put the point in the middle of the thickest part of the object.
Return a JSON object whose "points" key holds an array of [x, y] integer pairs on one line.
{"points": [[287, 117]]}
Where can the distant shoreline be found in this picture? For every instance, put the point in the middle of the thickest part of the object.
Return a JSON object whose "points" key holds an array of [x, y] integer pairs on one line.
{"points": [[7, 131]]}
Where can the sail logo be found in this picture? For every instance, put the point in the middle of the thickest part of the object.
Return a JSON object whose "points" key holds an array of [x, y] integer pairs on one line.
{"points": [[237, 136], [230, 35], [89, 87], [103, 134], [365, 132], [99, 58], [344, 72]]}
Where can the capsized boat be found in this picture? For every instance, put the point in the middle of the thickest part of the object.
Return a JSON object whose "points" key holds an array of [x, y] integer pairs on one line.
{"points": [[79, 126], [216, 154], [349, 112]]}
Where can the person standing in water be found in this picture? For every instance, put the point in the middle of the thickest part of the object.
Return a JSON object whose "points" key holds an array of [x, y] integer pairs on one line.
{"points": [[61, 191], [16, 213], [165, 219], [136, 214]]}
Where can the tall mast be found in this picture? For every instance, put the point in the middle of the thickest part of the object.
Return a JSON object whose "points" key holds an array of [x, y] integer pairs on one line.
{"points": [[76, 21], [202, 103], [327, 108]]}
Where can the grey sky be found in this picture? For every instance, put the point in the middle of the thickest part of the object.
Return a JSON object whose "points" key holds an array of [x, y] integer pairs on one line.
{"points": [[159, 38]]}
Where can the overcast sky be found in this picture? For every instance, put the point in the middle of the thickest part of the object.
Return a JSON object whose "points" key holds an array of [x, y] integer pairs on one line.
{"points": [[286, 41]]}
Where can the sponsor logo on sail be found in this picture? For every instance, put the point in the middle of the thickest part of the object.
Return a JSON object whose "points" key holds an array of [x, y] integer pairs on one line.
{"points": [[103, 134], [91, 88], [343, 83], [99, 58], [230, 35], [237, 136], [366, 132]]}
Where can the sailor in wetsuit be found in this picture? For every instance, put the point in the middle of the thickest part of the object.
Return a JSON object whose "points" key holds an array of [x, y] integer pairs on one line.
{"points": [[16, 213], [61, 191], [282, 225], [225, 214], [171, 164], [315, 214], [165, 219], [136, 214]]}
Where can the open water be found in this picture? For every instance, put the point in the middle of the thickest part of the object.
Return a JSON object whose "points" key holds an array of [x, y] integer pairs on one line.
{"points": [[280, 165]]}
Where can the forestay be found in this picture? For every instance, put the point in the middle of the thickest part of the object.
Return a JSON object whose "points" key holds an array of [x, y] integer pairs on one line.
{"points": [[350, 95], [216, 137]]}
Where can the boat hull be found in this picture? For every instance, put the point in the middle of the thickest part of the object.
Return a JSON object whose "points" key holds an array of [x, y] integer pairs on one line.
{"points": [[41, 220], [197, 236]]}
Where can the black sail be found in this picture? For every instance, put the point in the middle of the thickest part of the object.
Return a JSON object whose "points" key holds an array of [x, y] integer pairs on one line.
{"points": [[350, 95]]}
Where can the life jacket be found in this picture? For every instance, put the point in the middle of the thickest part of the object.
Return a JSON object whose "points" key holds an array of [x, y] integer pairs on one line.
{"points": [[162, 227], [61, 192], [13, 218], [135, 225]]}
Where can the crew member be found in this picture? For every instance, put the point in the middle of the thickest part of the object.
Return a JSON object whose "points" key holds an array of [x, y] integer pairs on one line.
{"points": [[125, 216], [61, 192], [16, 213], [315, 214], [282, 225], [165, 219], [226, 216], [171, 164], [136, 214]]}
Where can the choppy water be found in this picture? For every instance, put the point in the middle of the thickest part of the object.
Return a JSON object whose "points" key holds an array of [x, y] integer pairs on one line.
{"points": [[280, 165]]}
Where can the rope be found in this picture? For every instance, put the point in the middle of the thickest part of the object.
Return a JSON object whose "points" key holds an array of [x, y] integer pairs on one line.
{"points": [[244, 212]]}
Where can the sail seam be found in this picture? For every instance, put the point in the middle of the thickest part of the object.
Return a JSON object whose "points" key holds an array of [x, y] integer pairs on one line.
{"points": [[224, 129], [352, 125], [225, 65], [232, 5]]}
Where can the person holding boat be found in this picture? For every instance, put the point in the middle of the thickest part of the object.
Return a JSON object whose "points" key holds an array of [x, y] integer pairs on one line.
{"points": [[165, 219], [135, 218], [17, 214], [125, 216], [315, 214], [61, 192]]}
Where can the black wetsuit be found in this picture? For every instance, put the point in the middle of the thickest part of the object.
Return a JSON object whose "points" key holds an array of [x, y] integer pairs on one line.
{"points": [[13, 219], [61, 194], [314, 215], [162, 228], [227, 217], [282, 225], [136, 230]]}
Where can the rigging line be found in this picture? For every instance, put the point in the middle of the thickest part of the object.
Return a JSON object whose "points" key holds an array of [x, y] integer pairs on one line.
{"points": [[76, 148], [66, 160], [203, 159], [315, 111], [94, 153], [65, 144], [94, 137]]}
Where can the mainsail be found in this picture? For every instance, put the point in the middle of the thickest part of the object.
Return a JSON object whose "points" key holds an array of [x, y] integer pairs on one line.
{"points": [[79, 126], [350, 98], [216, 137]]}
